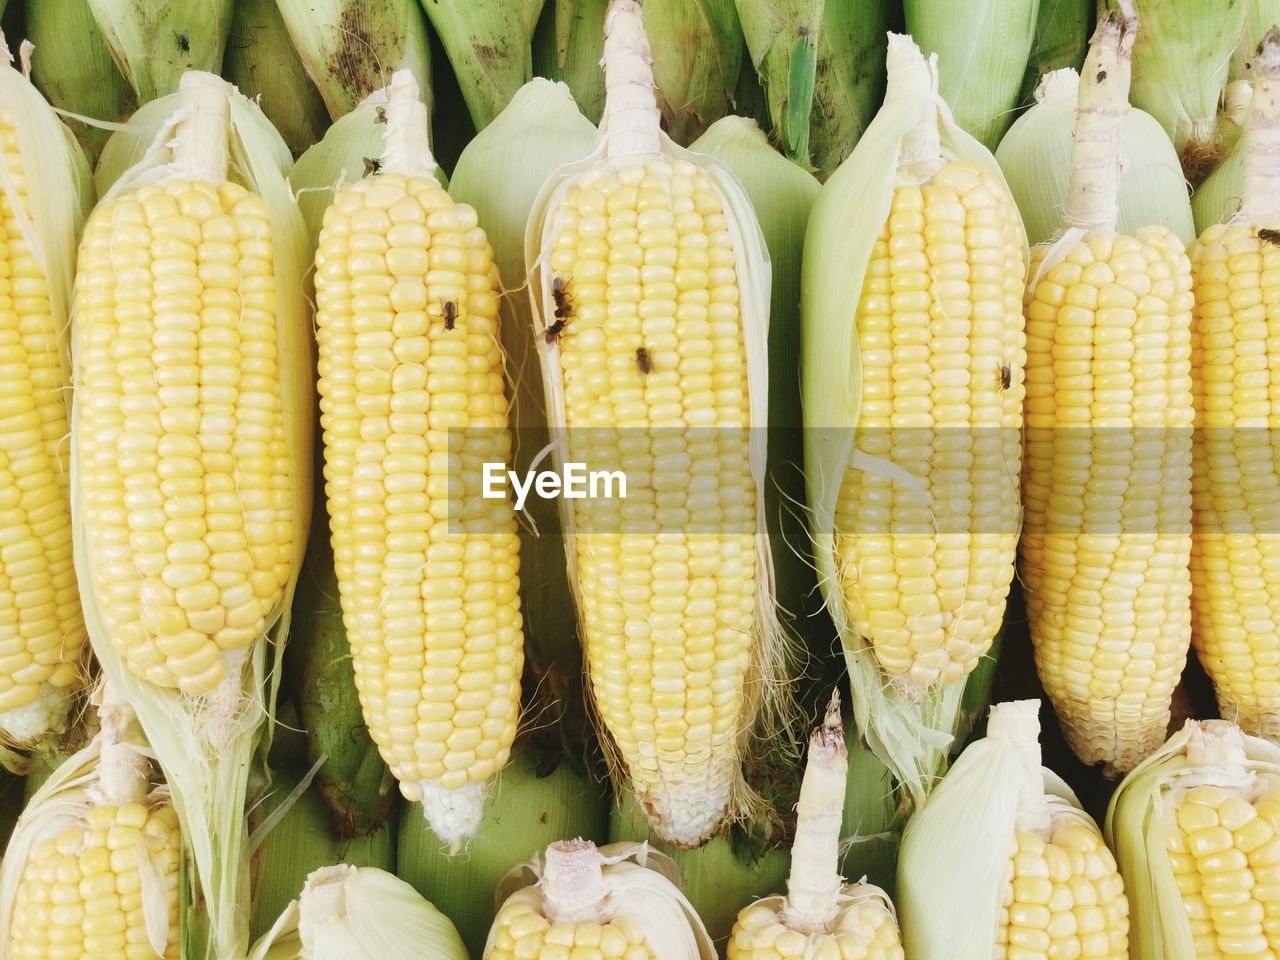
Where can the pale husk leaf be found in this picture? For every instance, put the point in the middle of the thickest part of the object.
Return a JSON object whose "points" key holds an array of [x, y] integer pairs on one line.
{"points": [[210, 781], [1036, 158], [982, 48], [1217, 199], [154, 44]]}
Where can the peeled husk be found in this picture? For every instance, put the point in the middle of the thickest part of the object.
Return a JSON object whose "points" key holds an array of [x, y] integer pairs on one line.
{"points": [[359, 913], [911, 736], [154, 44], [350, 49], [59, 197], [261, 62], [72, 66], [1036, 158], [488, 44], [1202, 752], [1061, 40], [983, 47], [205, 745], [819, 63], [1181, 57], [530, 806], [575, 883]]}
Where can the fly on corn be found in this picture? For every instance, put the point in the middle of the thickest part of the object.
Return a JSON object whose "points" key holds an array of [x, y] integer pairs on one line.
{"points": [[1002, 861], [912, 383], [43, 181], [620, 902], [412, 405], [821, 917], [91, 872], [191, 452], [1107, 482], [1235, 568], [1196, 829], [650, 289]]}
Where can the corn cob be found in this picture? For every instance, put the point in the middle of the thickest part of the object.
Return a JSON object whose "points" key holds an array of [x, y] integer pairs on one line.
{"points": [[92, 869], [43, 182], [821, 917], [620, 902], [191, 453], [1196, 829], [430, 595], [1235, 594], [1001, 861], [658, 368], [1107, 485]]}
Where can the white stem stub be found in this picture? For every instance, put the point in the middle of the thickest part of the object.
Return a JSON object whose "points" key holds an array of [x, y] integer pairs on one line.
{"points": [[631, 122], [408, 147], [201, 144], [454, 815], [573, 882]]}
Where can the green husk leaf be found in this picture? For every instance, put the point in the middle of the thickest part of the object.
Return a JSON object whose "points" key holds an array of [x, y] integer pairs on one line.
{"points": [[205, 751], [73, 67], [1218, 198], [1181, 57], [261, 62], [154, 44], [1061, 40], [525, 812], [1036, 158], [541, 126], [350, 48], [1259, 17], [11, 804], [351, 781], [77, 736], [983, 49], [821, 106], [911, 738], [567, 46], [488, 43], [871, 828], [347, 912]]}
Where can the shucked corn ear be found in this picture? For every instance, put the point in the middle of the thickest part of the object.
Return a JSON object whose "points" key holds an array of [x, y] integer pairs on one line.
{"points": [[650, 288], [1002, 861], [44, 190], [412, 403], [359, 913], [1235, 593], [619, 902], [191, 453], [1035, 156], [154, 44], [821, 916], [912, 373], [92, 868], [1196, 829], [1107, 482]]}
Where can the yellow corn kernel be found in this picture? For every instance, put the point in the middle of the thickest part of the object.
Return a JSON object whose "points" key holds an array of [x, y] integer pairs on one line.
{"points": [[521, 933], [863, 930]]}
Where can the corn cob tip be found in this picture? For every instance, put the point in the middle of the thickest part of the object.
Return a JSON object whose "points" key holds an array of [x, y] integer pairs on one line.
{"points": [[1016, 721], [408, 145], [1216, 744], [1057, 84], [631, 121], [454, 815]]}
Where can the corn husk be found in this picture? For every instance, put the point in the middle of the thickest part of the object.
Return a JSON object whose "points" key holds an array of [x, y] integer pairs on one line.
{"points": [[1061, 40], [358, 913], [820, 66], [638, 138], [1260, 16], [1036, 158], [351, 781], [488, 44], [11, 790], [82, 727], [73, 67], [205, 745], [1217, 199], [1181, 58], [154, 44], [574, 882], [530, 807], [567, 44], [953, 867], [912, 736], [59, 196], [261, 62], [1202, 752], [350, 50], [983, 50]]}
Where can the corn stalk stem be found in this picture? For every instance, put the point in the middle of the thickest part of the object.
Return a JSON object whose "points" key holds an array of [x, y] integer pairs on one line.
{"points": [[813, 888], [200, 149], [408, 149], [1093, 198], [1017, 724], [573, 882], [631, 121], [124, 775], [1215, 752], [1260, 196]]}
